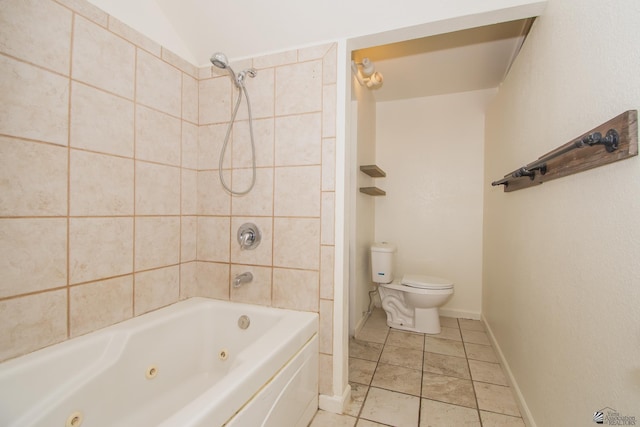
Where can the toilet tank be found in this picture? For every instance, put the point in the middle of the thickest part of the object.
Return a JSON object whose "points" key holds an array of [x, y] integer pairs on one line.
{"points": [[382, 258]]}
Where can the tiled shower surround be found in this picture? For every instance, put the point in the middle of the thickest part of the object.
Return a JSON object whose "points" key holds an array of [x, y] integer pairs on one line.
{"points": [[110, 202]]}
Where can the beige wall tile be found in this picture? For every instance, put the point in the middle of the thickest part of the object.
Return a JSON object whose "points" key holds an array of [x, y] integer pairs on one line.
{"points": [[32, 322], [189, 145], [212, 280], [158, 84], [157, 189], [326, 326], [295, 289], [189, 98], [33, 178], [35, 102], [261, 94], [100, 304], [205, 72], [156, 288], [214, 100], [37, 31], [212, 198], [259, 201], [258, 291], [275, 59], [330, 65], [263, 141], [134, 36], [158, 137], [298, 140], [213, 239], [262, 254], [157, 242], [100, 184], [101, 121], [102, 59], [189, 192], [297, 191], [87, 10], [314, 52], [326, 271], [299, 88], [189, 232], [325, 379], [328, 215], [329, 164], [329, 111], [210, 140], [33, 255], [296, 243], [188, 280], [178, 62], [99, 248]]}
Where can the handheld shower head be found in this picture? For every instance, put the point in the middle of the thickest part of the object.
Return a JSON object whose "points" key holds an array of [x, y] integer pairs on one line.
{"points": [[220, 60]]}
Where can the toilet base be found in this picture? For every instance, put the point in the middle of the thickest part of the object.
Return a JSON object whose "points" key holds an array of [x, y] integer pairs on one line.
{"points": [[425, 321]]}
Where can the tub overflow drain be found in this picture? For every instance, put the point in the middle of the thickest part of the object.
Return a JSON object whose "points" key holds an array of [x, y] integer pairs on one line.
{"points": [[74, 420], [224, 354], [152, 371], [244, 322]]}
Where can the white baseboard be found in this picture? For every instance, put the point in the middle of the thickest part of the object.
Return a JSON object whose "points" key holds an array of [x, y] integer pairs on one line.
{"points": [[335, 404], [460, 314], [524, 409]]}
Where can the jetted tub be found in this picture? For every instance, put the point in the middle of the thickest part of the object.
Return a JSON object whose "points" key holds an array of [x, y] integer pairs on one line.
{"points": [[194, 363]]}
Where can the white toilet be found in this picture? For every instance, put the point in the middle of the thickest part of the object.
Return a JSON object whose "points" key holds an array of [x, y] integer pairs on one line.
{"points": [[412, 302]]}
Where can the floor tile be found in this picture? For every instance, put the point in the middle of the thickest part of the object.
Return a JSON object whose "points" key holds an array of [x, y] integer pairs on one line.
{"points": [[496, 398], [484, 353], [365, 349], [361, 371], [440, 346], [397, 378], [448, 389], [471, 325], [329, 419], [446, 365], [399, 356], [406, 339], [475, 337], [439, 414], [358, 393], [449, 322], [389, 407], [372, 334], [489, 419], [487, 372], [367, 423], [448, 334]]}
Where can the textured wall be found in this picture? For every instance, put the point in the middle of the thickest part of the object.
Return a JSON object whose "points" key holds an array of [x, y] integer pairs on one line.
{"points": [[561, 288]]}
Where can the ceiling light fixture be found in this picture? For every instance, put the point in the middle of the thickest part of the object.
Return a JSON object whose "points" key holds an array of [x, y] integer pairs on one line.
{"points": [[366, 73]]}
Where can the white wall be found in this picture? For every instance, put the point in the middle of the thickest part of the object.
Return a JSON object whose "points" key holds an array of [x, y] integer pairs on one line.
{"points": [[561, 271], [432, 151], [365, 147]]}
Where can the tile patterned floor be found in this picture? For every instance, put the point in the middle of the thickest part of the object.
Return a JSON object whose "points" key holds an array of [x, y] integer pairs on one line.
{"points": [[405, 379]]}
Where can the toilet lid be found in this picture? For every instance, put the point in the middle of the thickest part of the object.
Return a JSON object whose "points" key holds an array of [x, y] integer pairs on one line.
{"points": [[426, 282]]}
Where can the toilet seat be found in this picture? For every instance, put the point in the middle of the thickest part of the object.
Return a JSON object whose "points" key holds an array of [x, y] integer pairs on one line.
{"points": [[426, 282]]}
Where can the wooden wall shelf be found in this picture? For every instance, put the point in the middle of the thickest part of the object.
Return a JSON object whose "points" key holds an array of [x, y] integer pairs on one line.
{"points": [[614, 140], [372, 191], [373, 171]]}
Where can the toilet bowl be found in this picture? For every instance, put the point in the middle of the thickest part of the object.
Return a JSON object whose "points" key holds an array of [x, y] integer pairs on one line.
{"points": [[412, 302]]}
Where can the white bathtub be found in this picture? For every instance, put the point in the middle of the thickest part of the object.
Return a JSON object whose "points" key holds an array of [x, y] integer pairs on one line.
{"points": [[189, 364]]}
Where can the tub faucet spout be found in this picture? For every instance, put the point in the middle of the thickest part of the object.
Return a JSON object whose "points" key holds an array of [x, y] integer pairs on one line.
{"points": [[242, 278]]}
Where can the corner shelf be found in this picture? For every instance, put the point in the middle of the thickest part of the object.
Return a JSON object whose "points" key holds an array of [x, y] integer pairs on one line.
{"points": [[372, 191], [375, 172]]}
